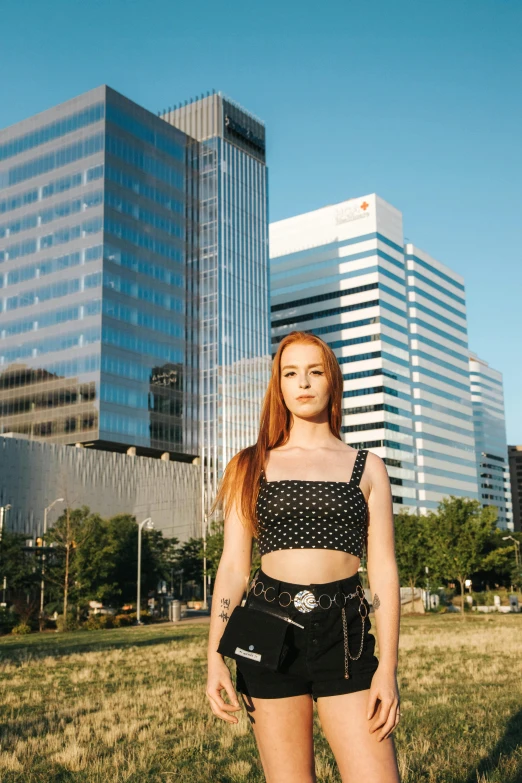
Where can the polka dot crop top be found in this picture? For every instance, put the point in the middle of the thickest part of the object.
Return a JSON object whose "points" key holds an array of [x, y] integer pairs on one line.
{"points": [[296, 514]]}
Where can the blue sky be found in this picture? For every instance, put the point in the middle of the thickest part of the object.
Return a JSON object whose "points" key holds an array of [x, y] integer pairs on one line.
{"points": [[419, 102]]}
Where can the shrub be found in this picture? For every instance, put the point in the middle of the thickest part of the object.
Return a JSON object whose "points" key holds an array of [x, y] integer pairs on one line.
{"points": [[106, 620], [144, 617], [69, 624], [21, 628], [92, 623], [8, 620], [121, 620]]}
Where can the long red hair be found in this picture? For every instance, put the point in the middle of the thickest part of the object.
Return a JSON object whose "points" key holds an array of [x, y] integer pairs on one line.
{"points": [[241, 478]]}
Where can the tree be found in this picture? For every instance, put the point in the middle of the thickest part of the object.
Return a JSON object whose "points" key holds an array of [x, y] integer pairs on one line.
{"points": [[94, 564], [461, 530], [91, 558], [215, 543], [411, 548], [70, 532], [162, 556], [112, 579], [189, 557], [192, 551], [18, 566], [499, 565]]}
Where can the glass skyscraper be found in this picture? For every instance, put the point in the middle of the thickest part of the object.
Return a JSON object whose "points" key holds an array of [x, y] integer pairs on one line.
{"points": [[339, 272], [442, 407], [133, 275], [234, 275], [396, 319], [487, 390]]}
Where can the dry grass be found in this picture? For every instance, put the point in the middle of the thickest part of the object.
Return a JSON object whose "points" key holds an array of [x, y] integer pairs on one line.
{"points": [[129, 705]]}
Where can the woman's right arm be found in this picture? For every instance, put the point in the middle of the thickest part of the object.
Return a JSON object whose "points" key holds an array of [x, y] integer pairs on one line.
{"points": [[229, 588]]}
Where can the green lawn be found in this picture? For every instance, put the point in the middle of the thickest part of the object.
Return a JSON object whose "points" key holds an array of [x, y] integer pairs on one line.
{"points": [[129, 705]]}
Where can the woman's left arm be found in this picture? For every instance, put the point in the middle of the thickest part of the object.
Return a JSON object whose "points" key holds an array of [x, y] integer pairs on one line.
{"points": [[383, 577]]}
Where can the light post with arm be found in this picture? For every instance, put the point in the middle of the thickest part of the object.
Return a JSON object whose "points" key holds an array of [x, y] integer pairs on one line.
{"points": [[517, 552], [516, 547], [3, 509], [149, 525], [42, 586]]}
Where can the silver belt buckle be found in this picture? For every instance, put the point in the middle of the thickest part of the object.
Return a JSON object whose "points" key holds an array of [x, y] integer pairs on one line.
{"points": [[305, 601]]}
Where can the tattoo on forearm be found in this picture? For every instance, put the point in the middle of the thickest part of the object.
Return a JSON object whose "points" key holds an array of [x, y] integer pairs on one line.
{"points": [[376, 602], [225, 606]]}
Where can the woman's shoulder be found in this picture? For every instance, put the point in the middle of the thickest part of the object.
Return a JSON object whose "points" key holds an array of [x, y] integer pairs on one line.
{"points": [[375, 468]]}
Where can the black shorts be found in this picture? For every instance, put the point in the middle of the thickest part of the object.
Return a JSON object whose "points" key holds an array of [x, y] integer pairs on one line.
{"points": [[315, 659]]}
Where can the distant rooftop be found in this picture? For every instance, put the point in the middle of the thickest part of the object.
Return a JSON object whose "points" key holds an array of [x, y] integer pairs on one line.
{"points": [[201, 97]]}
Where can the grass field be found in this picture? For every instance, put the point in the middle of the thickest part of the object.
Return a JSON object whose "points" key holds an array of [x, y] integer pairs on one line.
{"points": [[130, 705]]}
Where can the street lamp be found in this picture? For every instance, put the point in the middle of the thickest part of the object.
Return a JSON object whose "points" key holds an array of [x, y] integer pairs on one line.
{"points": [[516, 547], [42, 585], [149, 525], [3, 509]]}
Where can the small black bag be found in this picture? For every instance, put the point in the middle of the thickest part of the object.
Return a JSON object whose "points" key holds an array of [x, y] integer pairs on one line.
{"points": [[256, 636]]}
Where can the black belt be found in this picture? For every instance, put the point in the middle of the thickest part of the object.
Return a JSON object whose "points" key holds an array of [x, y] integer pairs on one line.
{"points": [[305, 601]]}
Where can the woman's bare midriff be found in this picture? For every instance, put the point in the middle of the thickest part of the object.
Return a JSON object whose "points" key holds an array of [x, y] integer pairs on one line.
{"points": [[309, 566]]}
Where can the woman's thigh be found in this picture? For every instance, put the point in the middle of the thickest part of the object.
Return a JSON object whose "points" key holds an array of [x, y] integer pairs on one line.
{"points": [[358, 753], [283, 729]]}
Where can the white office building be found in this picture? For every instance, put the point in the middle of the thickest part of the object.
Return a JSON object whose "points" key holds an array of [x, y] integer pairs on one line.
{"points": [[339, 273], [490, 439], [396, 319], [442, 408]]}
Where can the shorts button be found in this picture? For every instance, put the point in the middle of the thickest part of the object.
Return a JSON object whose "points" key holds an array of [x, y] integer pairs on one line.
{"points": [[315, 641], [315, 624]]}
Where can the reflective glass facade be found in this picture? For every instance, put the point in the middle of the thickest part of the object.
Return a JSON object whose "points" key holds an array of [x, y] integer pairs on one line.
{"points": [[133, 275], [99, 278], [339, 273], [489, 421], [234, 276], [396, 319], [442, 411]]}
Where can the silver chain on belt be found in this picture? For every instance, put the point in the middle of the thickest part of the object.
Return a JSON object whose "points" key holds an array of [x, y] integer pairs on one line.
{"points": [[305, 601]]}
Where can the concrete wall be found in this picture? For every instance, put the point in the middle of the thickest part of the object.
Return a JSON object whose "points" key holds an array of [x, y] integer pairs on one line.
{"points": [[33, 474]]}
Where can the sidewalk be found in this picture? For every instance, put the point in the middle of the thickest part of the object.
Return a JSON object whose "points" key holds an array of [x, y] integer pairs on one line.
{"points": [[194, 616], [197, 617]]}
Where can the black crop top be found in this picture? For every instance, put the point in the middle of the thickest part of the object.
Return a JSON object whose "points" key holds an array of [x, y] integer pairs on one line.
{"points": [[296, 514]]}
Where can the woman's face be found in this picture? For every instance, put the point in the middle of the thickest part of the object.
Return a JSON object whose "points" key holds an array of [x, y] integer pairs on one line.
{"points": [[303, 381]]}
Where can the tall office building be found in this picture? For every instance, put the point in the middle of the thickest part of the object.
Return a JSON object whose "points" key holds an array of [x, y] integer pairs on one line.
{"points": [[442, 408], [234, 295], [98, 277], [515, 470], [339, 272], [490, 439], [344, 273], [130, 243]]}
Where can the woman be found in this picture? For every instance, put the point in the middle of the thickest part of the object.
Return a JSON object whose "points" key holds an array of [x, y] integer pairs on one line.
{"points": [[311, 501]]}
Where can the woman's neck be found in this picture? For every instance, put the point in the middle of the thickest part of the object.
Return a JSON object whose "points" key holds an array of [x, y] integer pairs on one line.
{"points": [[308, 434]]}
